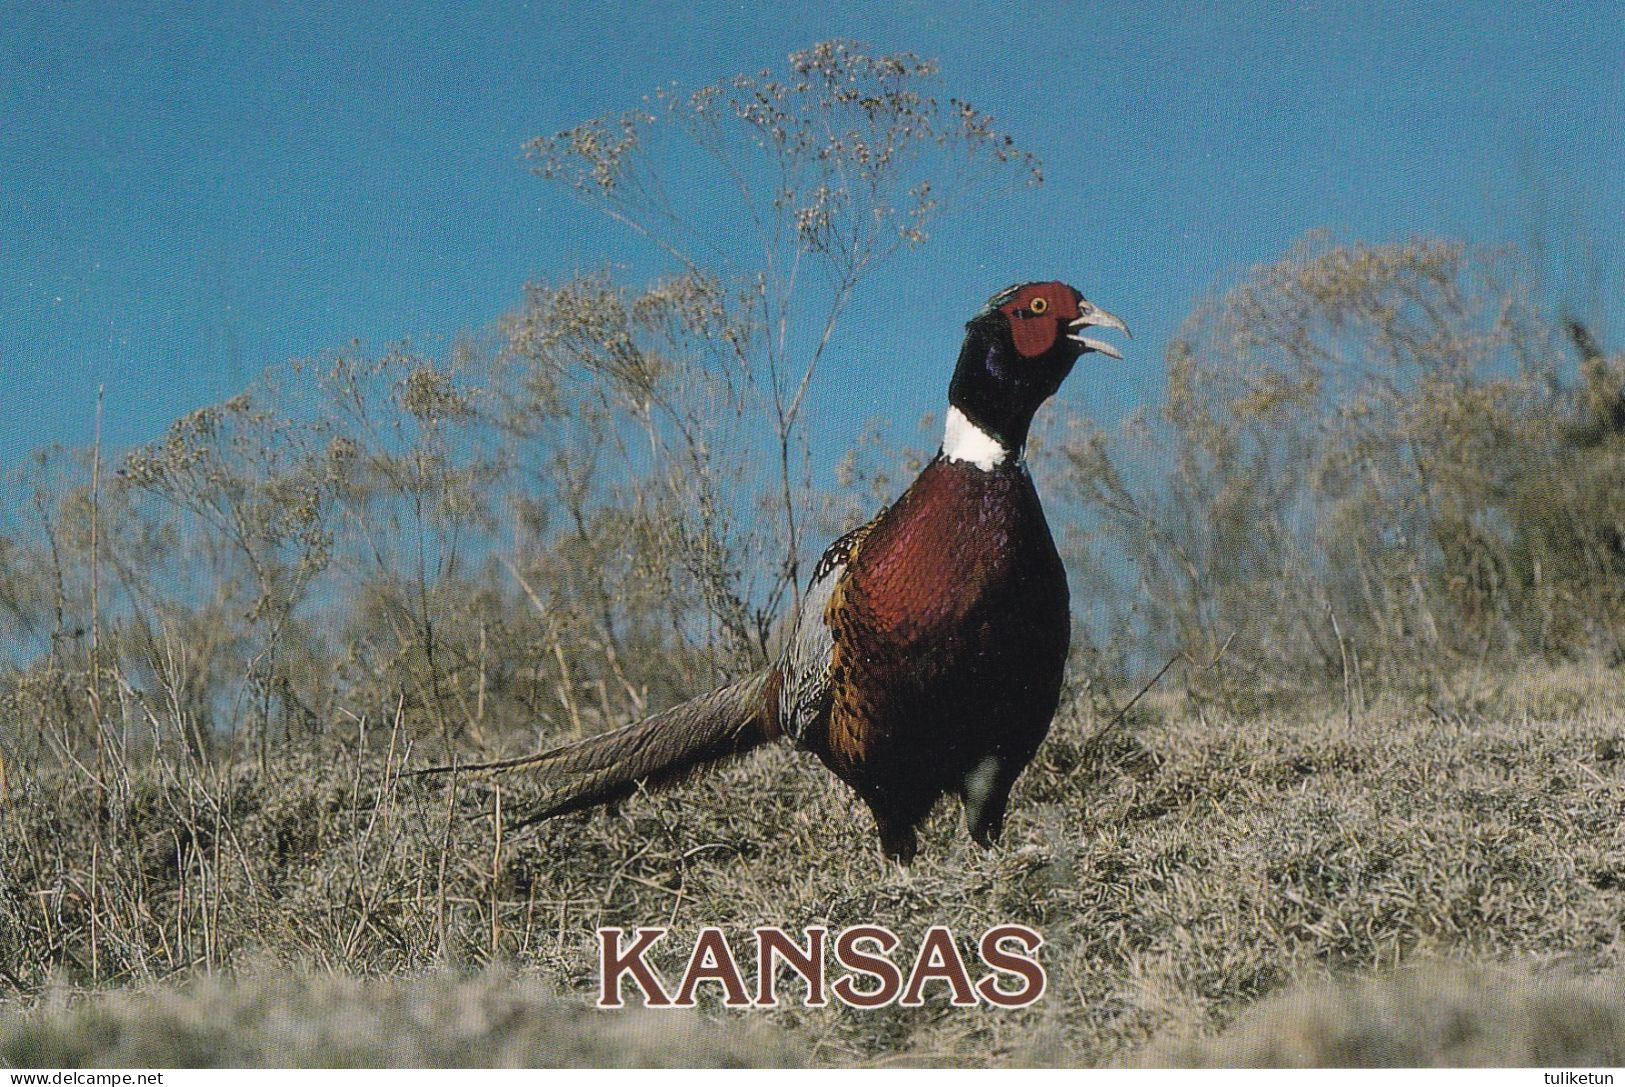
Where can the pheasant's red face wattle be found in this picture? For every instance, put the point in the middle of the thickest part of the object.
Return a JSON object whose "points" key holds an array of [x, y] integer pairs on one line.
{"points": [[1037, 314]]}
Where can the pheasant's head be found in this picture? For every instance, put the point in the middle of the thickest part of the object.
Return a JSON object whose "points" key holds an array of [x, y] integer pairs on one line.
{"points": [[1018, 350]]}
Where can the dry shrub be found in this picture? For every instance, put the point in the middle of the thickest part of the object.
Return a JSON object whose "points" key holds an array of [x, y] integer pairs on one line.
{"points": [[589, 510], [1378, 467]]}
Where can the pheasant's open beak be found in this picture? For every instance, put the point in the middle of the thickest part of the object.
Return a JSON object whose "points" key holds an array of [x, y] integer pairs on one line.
{"points": [[1092, 316]]}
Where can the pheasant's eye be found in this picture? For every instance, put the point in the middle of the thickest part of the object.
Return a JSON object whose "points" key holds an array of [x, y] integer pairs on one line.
{"points": [[1039, 305]]}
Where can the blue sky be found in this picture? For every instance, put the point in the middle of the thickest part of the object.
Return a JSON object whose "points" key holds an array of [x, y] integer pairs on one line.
{"points": [[189, 193]]}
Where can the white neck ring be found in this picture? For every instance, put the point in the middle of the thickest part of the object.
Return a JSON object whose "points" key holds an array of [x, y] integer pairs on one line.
{"points": [[963, 440]]}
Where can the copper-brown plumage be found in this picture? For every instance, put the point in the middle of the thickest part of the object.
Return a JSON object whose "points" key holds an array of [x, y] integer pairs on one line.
{"points": [[928, 654], [950, 630]]}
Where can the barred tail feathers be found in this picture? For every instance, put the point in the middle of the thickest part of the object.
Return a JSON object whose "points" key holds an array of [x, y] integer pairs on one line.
{"points": [[655, 752]]}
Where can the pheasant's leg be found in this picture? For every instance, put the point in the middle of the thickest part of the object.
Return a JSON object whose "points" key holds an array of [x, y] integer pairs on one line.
{"points": [[985, 791], [897, 839]]}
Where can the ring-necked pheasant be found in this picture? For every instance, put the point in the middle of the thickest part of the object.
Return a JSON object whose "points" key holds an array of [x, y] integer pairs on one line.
{"points": [[928, 652]]}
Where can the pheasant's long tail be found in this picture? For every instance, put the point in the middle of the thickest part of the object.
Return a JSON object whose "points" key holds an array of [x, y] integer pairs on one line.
{"points": [[652, 753]]}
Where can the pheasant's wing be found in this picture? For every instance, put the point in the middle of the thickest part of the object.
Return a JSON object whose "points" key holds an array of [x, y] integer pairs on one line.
{"points": [[804, 695]]}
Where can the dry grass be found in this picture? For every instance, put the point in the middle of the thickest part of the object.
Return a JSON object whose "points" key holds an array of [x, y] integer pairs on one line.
{"points": [[276, 1019], [1438, 1015], [1183, 882]]}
